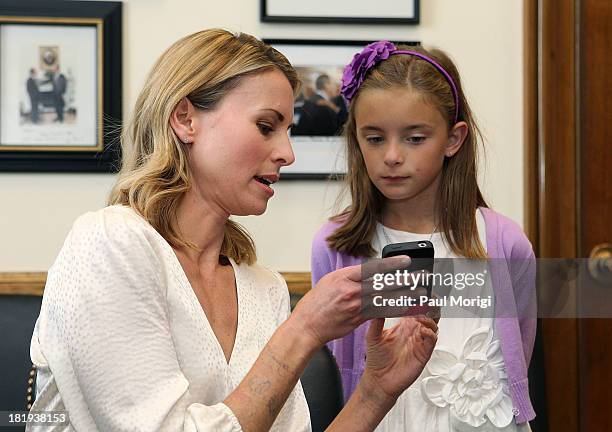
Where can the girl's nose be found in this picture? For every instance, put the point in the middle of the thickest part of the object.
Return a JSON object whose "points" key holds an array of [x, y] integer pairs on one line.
{"points": [[393, 155]]}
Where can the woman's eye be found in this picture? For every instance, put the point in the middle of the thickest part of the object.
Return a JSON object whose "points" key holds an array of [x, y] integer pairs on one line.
{"points": [[374, 139], [265, 128]]}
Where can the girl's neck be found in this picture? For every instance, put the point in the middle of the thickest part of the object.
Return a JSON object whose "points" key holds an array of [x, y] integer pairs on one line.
{"points": [[416, 216]]}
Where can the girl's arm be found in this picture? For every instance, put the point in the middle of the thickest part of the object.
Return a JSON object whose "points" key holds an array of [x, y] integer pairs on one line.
{"points": [[524, 285], [522, 266]]}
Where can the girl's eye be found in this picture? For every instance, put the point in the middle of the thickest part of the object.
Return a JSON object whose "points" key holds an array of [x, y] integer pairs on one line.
{"points": [[374, 139], [265, 128], [417, 139]]}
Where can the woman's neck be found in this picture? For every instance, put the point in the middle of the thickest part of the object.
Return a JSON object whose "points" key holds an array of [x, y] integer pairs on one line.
{"points": [[202, 225]]}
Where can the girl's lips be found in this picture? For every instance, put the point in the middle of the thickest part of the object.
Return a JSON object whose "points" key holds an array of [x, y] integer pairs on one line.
{"points": [[394, 179]]}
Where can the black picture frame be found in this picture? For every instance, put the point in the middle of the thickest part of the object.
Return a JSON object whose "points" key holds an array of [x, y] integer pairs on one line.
{"points": [[267, 14], [318, 155], [102, 153]]}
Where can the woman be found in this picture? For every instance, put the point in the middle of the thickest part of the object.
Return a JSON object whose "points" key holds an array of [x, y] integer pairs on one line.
{"points": [[155, 315]]}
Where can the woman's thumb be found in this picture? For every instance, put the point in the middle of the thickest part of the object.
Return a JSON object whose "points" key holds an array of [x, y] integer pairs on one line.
{"points": [[375, 330]]}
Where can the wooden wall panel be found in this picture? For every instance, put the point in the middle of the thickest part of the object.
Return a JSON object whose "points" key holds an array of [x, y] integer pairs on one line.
{"points": [[34, 283]]}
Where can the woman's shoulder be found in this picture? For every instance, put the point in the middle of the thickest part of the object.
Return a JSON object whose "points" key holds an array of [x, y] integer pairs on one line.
{"points": [[113, 221], [114, 216], [113, 229], [507, 234], [108, 251]]}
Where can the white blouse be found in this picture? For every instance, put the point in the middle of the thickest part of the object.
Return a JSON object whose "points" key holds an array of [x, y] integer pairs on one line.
{"points": [[123, 344], [464, 385]]}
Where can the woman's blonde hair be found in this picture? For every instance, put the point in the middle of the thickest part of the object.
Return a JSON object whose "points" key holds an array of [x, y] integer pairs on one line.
{"points": [[203, 67], [458, 196]]}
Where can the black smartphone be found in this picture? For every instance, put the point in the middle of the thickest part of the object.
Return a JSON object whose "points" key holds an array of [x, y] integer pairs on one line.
{"points": [[421, 252]]}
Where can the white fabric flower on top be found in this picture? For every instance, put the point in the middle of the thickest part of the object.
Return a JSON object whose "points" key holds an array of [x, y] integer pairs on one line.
{"points": [[473, 385]]}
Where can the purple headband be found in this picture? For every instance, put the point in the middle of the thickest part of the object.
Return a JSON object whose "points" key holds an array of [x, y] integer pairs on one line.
{"points": [[355, 72]]}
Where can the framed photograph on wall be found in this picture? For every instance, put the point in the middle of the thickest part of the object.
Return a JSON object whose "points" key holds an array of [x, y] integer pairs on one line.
{"points": [[341, 11], [60, 86], [319, 112]]}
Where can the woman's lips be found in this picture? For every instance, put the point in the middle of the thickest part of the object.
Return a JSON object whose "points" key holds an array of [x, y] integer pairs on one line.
{"points": [[266, 188]]}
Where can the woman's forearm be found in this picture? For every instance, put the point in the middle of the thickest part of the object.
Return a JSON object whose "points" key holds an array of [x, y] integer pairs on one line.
{"points": [[365, 408], [260, 396]]}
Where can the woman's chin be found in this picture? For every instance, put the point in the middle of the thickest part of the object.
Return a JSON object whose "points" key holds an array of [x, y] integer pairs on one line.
{"points": [[260, 211], [252, 209]]}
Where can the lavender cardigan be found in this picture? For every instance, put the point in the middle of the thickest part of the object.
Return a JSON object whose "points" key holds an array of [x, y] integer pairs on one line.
{"points": [[513, 279]]}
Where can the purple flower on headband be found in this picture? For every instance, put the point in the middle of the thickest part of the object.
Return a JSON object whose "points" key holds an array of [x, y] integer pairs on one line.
{"points": [[354, 73]]}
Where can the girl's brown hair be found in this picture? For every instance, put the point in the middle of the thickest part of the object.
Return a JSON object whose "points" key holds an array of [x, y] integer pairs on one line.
{"points": [[203, 67], [458, 196]]}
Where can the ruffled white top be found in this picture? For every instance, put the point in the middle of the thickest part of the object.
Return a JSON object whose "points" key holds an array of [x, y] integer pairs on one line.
{"points": [[123, 344], [464, 385]]}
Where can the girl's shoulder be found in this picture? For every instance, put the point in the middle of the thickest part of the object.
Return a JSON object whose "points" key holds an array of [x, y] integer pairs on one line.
{"points": [[322, 252], [327, 229], [319, 242], [506, 235]]}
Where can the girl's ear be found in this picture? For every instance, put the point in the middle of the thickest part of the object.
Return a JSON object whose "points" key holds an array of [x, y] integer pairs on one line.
{"points": [[456, 137], [181, 120]]}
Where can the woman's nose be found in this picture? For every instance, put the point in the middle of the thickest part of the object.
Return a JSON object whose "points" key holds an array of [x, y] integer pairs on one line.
{"points": [[284, 152]]}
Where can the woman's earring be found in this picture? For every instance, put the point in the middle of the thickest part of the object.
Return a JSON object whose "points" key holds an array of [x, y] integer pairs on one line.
{"points": [[186, 140]]}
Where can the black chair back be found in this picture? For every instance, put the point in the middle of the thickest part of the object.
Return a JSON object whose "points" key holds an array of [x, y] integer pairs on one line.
{"points": [[323, 389], [18, 315]]}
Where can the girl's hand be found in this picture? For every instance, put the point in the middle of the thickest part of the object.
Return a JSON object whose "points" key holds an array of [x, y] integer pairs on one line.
{"points": [[396, 356], [333, 307]]}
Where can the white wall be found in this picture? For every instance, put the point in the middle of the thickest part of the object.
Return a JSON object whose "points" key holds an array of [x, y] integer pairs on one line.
{"points": [[483, 36]]}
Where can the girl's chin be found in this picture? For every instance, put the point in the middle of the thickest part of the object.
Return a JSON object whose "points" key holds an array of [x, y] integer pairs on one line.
{"points": [[396, 195]]}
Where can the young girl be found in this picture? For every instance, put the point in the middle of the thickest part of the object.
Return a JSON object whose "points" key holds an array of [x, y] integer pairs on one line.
{"points": [[412, 145]]}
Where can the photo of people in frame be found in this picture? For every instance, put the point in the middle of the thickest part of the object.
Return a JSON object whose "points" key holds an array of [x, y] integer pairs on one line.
{"points": [[319, 109], [50, 92], [49, 85]]}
